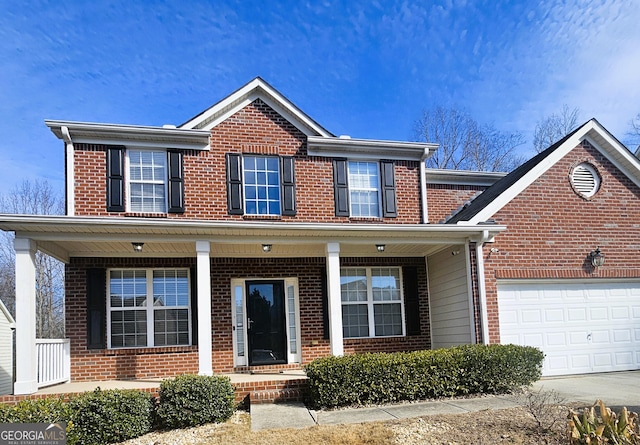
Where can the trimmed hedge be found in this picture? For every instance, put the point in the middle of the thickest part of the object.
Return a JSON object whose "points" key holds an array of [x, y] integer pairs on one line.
{"points": [[191, 400], [364, 379], [50, 410]]}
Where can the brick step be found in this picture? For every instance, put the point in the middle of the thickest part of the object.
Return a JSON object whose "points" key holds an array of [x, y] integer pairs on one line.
{"points": [[271, 391]]}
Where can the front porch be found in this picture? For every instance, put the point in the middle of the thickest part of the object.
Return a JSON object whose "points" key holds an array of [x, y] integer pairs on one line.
{"points": [[285, 386]]}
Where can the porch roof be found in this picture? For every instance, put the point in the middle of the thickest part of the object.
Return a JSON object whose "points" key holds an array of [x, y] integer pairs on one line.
{"points": [[64, 237]]}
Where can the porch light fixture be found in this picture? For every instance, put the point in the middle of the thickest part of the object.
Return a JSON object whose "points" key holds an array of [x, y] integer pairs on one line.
{"points": [[266, 248], [597, 258], [380, 247], [137, 247]]}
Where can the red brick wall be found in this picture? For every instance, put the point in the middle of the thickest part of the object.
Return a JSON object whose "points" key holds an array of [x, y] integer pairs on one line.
{"points": [[256, 129], [551, 229], [165, 362], [444, 199]]}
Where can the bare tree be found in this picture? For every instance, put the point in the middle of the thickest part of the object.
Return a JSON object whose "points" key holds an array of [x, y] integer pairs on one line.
{"points": [[634, 134], [36, 198], [553, 128], [465, 144]]}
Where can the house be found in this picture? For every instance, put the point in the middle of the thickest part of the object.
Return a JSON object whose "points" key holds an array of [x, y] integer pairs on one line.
{"points": [[7, 326], [250, 238]]}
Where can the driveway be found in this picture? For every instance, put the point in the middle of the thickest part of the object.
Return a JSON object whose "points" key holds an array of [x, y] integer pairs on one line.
{"points": [[616, 389]]}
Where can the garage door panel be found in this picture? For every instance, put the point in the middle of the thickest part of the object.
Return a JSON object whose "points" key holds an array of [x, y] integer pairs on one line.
{"points": [[581, 327]]}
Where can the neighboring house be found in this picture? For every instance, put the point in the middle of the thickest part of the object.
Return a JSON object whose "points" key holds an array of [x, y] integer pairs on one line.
{"points": [[7, 325], [251, 238]]}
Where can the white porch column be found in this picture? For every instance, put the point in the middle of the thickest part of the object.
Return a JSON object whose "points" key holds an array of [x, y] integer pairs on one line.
{"points": [[203, 264], [26, 354], [334, 297]]}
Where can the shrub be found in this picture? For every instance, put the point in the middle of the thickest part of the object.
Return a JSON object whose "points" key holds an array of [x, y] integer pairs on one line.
{"points": [[362, 379], [607, 427], [190, 400], [50, 410], [110, 416]]}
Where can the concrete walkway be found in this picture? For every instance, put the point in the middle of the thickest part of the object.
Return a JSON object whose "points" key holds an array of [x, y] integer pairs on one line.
{"points": [[616, 389]]}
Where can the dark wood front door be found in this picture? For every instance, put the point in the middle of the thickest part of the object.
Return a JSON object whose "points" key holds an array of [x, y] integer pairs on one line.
{"points": [[266, 322]]}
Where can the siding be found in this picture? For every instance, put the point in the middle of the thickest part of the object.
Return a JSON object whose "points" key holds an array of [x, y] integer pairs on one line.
{"points": [[6, 352], [449, 298]]}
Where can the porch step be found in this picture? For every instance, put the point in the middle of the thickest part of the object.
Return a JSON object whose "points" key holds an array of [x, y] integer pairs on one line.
{"points": [[273, 391]]}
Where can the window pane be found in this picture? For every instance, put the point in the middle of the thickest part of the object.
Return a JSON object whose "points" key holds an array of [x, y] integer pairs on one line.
{"points": [[171, 326], [129, 328], [170, 288], [355, 320], [385, 283], [261, 185], [388, 319], [127, 288], [353, 284], [147, 177], [364, 188]]}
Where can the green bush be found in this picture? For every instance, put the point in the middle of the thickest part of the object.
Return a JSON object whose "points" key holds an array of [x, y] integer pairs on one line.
{"points": [[50, 410], [102, 417], [363, 379], [190, 400]]}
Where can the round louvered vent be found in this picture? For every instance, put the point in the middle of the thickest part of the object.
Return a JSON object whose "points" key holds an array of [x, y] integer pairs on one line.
{"points": [[585, 180]]}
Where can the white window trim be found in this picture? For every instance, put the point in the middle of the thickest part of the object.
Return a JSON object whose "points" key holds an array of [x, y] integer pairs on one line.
{"points": [[127, 178], [241, 284], [149, 308], [371, 303], [279, 186], [378, 190]]}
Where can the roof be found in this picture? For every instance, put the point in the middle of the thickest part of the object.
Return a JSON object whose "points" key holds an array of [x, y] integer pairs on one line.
{"points": [[7, 314], [256, 89], [485, 205]]}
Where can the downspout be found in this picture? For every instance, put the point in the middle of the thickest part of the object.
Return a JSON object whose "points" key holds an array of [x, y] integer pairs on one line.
{"points": [[482, 290], [69, 170], [423, 186]]}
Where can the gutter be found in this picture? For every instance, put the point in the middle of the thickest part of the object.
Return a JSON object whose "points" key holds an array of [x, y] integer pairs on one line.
{"points": [[69, 163], [482, 289], [423, 184]]}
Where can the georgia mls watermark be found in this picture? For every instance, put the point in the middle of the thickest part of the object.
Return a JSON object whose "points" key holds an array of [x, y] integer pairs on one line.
{"points": [[33, 433]]}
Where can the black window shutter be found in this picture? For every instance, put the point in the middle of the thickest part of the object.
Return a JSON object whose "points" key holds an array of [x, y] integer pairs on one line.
{"points": [[288, 184], [325, 303], [234, 184], [411, 299], [115, 179], [341, 187], [176, 181], [194, 305], [389, 207], [96, 308]]}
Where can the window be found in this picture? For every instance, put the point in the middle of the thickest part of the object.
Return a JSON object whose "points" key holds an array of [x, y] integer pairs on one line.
{"points": [[260, 185], [148, 307], [372, 303], [364, 189], [147, 181]]}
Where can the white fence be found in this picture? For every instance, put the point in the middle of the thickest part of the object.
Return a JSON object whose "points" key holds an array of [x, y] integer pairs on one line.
{"points": [[54, 361]]}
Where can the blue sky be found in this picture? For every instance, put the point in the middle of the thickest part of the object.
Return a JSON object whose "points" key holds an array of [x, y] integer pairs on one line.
{"points": [[366, 69]]}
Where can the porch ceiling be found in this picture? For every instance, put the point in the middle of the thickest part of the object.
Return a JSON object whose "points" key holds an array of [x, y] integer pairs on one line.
{"points": [[64, 237]]}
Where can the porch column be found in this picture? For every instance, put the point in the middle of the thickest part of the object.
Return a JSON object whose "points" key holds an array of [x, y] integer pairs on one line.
{"points": [[335, 300], [26, 355], [203, 264]]}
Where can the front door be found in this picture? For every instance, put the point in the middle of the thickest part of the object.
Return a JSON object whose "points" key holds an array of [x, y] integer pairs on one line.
{"points": [[266, 333]]}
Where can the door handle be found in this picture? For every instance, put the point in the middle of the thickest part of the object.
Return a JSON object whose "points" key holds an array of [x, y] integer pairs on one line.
{"points": [[589, 336], [249, 323]]}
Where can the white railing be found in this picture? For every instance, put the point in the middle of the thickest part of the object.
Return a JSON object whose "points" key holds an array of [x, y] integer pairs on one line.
{"points": [[54, 361]]}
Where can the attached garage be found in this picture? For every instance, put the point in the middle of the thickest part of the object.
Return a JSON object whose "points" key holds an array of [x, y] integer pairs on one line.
{"points": [[581, 327]]}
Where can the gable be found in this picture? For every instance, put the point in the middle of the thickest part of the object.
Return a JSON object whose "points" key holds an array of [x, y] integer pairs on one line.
{"points": [[486, 205], [257, 89]]}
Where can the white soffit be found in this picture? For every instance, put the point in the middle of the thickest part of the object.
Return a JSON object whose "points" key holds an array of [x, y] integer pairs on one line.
{"points": [[593, 132], [256, 89], [368, 148], [462, 177]]}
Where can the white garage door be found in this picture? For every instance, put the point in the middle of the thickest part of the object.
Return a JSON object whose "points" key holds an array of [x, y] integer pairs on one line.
{"points": [[581, 327]]}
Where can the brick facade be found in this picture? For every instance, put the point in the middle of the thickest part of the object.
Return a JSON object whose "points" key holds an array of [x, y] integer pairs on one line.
{"points": [[551, 229], [169, 361], [444, 199]]}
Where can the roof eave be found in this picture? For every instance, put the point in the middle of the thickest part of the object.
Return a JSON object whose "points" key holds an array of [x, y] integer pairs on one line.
{"points": [[348, 147]]}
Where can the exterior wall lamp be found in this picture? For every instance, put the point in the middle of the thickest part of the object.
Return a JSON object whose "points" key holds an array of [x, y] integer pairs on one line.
{"points": [[380, 247], [137, 247], [597, 258], [266, 248]]}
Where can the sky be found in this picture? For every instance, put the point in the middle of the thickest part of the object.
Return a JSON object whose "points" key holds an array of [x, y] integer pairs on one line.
{"points": [[362, 68]]}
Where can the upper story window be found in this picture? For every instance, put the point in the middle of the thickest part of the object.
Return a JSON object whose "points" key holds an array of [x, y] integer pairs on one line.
{"points": [[147, 181], [260, 185], [364, 188], [153, 180], [148, 307]]}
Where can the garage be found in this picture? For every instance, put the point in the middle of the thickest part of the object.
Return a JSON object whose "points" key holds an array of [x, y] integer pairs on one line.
{"points": [[581, 327]]}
